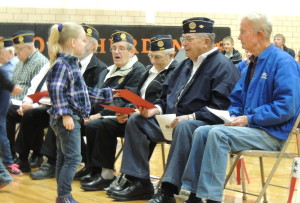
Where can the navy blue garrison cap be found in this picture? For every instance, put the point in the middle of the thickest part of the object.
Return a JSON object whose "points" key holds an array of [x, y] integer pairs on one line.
{"points": [[23, 36], [161, 42], [197, 25], [121, 36]]}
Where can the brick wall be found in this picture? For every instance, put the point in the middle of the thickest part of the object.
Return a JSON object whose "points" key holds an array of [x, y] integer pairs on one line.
{"points": [[289, 26]]}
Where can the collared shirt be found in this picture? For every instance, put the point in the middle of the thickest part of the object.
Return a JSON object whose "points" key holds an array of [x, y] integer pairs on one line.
{"points": [[153, 72], [24, 72], [68, 91], [85, 62]]}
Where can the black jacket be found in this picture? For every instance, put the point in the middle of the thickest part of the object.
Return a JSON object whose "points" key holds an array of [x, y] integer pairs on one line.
{"points": [[94, 70], [129, 81], [153, 90]]}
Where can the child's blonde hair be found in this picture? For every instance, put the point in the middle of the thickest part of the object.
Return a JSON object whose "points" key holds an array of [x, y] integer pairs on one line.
{"points": [[59, 34]]}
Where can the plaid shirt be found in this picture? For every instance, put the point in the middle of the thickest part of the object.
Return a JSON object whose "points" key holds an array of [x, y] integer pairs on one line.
{"points": [[68, 91]]}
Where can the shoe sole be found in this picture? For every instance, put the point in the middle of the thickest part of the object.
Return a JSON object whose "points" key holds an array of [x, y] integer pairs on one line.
{"points": [[92, 189], [143, 197], [41, 178]]}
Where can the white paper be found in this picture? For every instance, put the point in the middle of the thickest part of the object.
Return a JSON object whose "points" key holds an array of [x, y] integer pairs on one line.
{"points": [[45, 101], [164, 122], [16, 102], [222, 114]]}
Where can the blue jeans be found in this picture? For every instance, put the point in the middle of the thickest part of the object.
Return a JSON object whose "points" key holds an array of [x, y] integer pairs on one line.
{"points": [[205, 171], [68, 154], [5, 177], [4, 142]]}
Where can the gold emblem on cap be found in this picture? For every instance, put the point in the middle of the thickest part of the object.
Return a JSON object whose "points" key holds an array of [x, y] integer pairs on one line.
{"points": [[89, 32], [192, 25], [21, 39], [160, 43], [123, 37], [120, 80], [201, 26], [1, 44]]}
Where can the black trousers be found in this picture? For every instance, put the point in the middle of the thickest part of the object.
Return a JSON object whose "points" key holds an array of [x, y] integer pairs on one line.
{"points": [[31, 132], [101, 146], [12, 118], [105, 143]]}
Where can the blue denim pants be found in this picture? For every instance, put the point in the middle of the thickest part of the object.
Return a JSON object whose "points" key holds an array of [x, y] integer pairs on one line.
{"points": [[5, 177], [205, 171], [4, 142], [68, 154]]}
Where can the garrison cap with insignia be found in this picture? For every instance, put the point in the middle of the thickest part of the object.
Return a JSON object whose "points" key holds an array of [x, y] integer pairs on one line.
{"points": [[161, 42], [197, 25], [90, 31], [121, 36], [23, 36], [5, 42]]}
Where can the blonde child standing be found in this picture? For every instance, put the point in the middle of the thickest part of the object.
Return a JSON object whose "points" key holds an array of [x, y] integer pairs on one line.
{"points": [[70, 101]]}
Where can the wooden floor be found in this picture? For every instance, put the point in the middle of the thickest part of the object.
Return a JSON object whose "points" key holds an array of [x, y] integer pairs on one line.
{"points": [[23, 189]]}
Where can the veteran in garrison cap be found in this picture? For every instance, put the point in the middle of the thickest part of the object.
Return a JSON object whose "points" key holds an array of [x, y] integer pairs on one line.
{"points": [[30, 64], [124, 73], [204, 79], [8, 60], [93, 69]]}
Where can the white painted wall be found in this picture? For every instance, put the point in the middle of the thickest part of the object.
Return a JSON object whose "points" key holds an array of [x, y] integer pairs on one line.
{"points": [[281, 8]]}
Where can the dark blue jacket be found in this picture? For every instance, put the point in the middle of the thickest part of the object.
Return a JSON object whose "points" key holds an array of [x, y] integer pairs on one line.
{"points": [[210, 86]]}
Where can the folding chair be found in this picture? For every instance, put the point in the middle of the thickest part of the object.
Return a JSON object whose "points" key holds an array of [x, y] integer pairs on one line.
{"points": [[275, 154]]}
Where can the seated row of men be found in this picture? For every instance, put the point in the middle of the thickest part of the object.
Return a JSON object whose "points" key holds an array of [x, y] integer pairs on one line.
{"points": [[262, 105]]}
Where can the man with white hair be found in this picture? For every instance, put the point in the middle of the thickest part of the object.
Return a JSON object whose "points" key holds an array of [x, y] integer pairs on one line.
{"points": [[31, 62], [264, 106]]}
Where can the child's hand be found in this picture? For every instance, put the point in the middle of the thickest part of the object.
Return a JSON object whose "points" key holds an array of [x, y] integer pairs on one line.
{"points": [[17, 89], [68, 122]]}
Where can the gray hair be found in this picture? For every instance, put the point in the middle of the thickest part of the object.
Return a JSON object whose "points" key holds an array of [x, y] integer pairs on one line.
{"points": [[261, 22], [210, 36], [92, 40], [169, 51], [12, 49], [130, 46]]}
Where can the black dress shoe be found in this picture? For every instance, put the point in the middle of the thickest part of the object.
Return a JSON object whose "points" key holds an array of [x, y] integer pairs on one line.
{"points": [[193, 199], [84, 171], [135, 191], [162, 197], [36, 161], [45, 171], [89, 177], [118, 184], [98, 184]]}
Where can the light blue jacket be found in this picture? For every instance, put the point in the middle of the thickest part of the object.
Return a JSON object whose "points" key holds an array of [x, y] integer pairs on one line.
{"points": [[271, 100]]}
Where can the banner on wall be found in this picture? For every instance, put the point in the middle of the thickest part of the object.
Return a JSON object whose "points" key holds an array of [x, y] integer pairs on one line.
{"points": [[141, 34]]}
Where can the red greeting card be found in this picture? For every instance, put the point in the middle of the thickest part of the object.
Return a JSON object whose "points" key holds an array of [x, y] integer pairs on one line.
{"points": [[118, 109], [135, 99], [37, 96]]}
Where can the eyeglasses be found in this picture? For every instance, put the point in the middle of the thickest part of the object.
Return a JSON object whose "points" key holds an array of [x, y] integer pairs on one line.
{"points": [[188, 38], [155, 57], [114, 49]]}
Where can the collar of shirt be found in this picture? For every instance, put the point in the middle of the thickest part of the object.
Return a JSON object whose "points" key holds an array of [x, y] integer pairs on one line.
{"points": [[228, 55], [202, 57], [85, 62], [153, 70]]}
